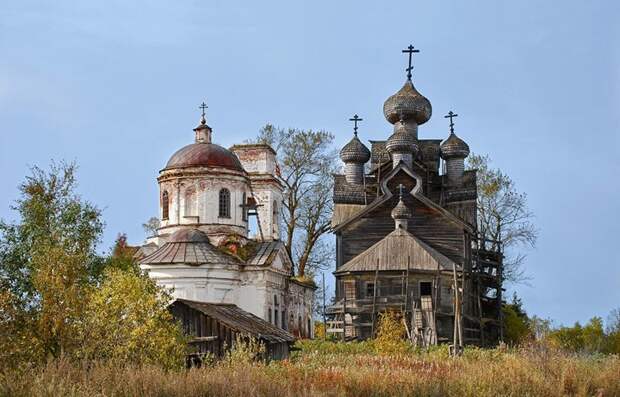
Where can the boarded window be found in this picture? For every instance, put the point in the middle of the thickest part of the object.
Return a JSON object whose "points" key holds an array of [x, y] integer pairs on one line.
{"points": [[426, 288], [224, 203], [165, 203], [190, 202], [349, 289], [370, 290]]}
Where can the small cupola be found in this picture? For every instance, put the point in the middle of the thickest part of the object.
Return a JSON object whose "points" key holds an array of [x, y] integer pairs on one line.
{"points": [[401, 213], [454, 151], [203, 131], [354, 155]]}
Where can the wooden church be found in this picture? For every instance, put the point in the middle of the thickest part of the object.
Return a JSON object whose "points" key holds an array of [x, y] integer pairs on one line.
{"points": [[406, 241]]}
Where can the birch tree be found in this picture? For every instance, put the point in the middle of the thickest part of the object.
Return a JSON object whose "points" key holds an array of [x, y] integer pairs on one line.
{"points": [[503, 216], [307, 161]]}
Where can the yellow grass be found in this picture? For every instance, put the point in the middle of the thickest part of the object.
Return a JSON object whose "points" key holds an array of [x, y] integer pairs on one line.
{"points": [[327, 369]]}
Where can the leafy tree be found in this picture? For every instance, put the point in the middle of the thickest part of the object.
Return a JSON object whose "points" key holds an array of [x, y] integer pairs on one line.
{"points": [[307, 162], [516, 324], [48, 257], [593, 335], [121, 256], [18, 343], [127, 321], [503, 215], [51, 217], [540, 327]]}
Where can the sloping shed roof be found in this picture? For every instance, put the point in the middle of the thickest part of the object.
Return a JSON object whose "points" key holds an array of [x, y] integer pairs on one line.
{"points": [[265, 253], [241, 321], [394, 251], [188, 246]]}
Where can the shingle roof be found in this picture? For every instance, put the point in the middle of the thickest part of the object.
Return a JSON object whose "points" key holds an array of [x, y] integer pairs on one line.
{"points": [[394, 251], [188, 246], [241, 321], [265, 253]]}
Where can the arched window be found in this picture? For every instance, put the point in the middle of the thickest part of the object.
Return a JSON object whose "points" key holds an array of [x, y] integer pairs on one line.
{"points": [[244, 209], [164, 205], [275, 300], [224, 203], [190, 201]]}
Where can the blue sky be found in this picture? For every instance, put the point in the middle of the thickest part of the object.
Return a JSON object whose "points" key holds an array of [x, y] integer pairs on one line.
{"points": [[115, 85]]}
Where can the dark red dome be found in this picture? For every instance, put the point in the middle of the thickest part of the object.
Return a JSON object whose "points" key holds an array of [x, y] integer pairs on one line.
{"points": [[204, 155]]}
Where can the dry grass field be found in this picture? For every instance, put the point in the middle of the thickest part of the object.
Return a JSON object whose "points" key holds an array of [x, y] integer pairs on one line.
{"points": [[328, 369]]}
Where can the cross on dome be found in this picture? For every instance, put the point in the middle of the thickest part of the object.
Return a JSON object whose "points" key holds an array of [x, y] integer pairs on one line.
{"points": [[450, 116], [355, 119], [410, 50]]}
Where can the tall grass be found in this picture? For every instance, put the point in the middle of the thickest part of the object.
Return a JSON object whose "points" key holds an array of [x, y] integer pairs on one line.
{"points": [[339, 369]]}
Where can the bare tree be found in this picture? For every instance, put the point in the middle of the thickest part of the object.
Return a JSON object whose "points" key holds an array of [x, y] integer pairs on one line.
{"points": [[307, 160], [503, 216], [151, 226]]}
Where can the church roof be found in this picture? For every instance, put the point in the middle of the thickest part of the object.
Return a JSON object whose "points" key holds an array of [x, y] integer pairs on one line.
{"points": [[265, 253], [394, 251], [190, 247], [407, 103], [202, 154], [354, 151], [454, 147], [240, 320]]}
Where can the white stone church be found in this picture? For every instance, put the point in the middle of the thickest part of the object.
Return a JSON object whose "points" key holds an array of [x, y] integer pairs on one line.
{"points": [[202, 250]]}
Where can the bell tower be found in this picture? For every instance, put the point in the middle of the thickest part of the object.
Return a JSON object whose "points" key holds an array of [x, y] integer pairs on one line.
{"points": [[266, 190]]}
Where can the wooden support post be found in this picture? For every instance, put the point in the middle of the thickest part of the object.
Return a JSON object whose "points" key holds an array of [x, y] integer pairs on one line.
{"points": [[374, 301]]}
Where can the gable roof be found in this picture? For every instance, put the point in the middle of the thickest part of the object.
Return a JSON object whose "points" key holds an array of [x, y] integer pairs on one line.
{"points": [[416, 192], [239, 320], [395, 252]]}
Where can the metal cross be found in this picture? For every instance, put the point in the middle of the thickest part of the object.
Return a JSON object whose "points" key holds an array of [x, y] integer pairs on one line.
{"points": [[450, 116], [410, 50], [203, 106], [355, 119]]}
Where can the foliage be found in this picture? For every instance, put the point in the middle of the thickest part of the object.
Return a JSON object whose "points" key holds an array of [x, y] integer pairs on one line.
{"points": [[51, 217], [503, 215], [390, 334], [127, 320], [246, 349], [307, 162], [516, 322], [18, 343], [313, 372], [50, 303], [590, 338], [319, 330]]}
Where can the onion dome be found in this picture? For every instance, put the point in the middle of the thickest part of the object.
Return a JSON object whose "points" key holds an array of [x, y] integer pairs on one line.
{"points": [[204, 155], [355, 152], [454, 147], [407, 104], [402, 140], [401, 211]]}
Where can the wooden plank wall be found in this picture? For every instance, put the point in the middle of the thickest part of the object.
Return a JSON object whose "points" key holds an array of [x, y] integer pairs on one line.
{"points": [[427, 224]]}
